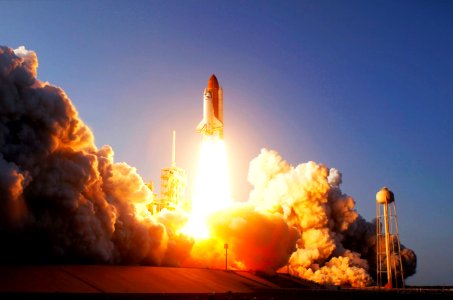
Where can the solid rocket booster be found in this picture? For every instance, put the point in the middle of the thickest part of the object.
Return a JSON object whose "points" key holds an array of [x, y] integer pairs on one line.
{"points": [[212, 122]]}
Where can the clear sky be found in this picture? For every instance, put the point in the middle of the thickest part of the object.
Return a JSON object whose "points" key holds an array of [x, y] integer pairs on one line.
{"points": [[362, 86]]}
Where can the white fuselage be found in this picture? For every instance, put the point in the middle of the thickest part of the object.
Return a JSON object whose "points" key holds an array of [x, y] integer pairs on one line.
{"points": [[210, 125]]}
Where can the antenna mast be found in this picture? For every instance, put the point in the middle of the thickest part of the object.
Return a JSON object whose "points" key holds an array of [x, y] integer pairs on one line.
{"points": [[173, 152]]}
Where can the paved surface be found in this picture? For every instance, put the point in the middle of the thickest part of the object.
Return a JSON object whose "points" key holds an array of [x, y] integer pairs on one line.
{"points": [[137, 282], [126, 279]]}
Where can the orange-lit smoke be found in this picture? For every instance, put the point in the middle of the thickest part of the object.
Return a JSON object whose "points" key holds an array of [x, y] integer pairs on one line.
{"points": [[336, 245], [296, 219], [70, 202], [62, 199]]}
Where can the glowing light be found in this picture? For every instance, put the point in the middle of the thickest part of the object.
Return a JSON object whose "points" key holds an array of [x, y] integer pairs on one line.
{"points": [[211, 191]]}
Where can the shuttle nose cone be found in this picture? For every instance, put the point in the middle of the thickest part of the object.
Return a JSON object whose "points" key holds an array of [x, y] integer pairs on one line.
{"points": [[213, 83]]}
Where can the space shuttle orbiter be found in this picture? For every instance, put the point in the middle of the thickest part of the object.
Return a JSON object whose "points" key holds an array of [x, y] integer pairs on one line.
{"points": [[212, 122]]}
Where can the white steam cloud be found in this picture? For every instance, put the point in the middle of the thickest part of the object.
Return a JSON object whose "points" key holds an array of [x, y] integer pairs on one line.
{"points": [[336, 245]]}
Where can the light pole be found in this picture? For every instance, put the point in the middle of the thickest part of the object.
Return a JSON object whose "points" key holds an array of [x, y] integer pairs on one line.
{"points": [[226, 256]]}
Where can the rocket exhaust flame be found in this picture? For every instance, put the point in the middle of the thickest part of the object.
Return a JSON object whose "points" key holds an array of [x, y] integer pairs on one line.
{"points": [[212, 185], [69, 202], [211, 192]]}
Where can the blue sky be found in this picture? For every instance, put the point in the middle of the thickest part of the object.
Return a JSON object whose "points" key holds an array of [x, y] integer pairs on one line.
{"points": [[362, 86]]}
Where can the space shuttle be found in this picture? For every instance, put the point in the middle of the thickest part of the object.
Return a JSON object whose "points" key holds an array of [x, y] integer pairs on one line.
{"points": [[212, 122]]}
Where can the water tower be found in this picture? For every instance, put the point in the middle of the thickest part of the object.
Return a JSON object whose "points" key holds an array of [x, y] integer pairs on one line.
{"points": [[389, 265]]}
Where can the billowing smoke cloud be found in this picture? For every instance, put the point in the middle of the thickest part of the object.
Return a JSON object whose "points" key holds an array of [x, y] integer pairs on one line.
{"points": [[63, 200], [336, 245], [256, 240]]}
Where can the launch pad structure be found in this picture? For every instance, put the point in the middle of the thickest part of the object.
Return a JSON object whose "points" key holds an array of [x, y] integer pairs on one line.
{"points": [[173, 183]]}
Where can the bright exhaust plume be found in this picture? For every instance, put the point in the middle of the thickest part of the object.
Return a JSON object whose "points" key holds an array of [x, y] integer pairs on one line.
{"points": [[212, 190]]}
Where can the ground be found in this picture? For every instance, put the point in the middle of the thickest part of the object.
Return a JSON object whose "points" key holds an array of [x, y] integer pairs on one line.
{"points": [[138, 282]]}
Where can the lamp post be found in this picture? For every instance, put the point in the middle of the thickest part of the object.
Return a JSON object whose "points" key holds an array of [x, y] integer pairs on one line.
{"points": [[226, 256]]}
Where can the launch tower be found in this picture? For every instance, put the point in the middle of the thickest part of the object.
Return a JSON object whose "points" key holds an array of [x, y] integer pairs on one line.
{"points": [[173, 185]]}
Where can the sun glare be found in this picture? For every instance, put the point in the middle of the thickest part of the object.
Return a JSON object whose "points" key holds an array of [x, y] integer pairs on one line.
{"points": [[211, 191]]}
